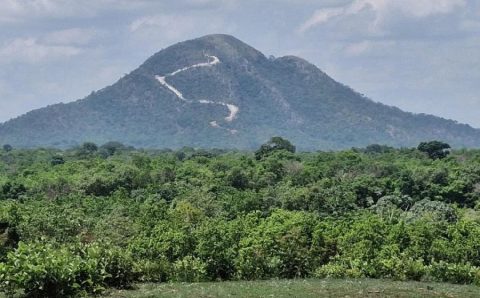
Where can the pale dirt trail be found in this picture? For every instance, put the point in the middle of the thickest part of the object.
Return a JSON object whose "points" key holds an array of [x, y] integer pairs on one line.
{"points": [[233, 109]]}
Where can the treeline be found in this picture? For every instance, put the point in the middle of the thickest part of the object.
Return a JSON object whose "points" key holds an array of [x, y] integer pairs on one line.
{"points": [[79, 221]]}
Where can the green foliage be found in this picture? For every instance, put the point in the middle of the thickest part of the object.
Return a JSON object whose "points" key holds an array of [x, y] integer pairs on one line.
{"points": [[436, 210], [238, 179], [159, 270], [110, 148], [435, 149], [275, 144], [96, 222], [8, 239], [454, 273], [13, 190], [41, 271], [189, 269], [44, 270], [87, 149], [278, 246], [57, 160]]}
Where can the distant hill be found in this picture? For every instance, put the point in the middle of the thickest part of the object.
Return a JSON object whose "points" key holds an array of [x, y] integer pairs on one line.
{"points": [[216, 91]]}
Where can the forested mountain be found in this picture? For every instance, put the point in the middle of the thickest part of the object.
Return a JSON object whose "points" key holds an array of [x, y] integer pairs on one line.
{"points": [[217, 91]]}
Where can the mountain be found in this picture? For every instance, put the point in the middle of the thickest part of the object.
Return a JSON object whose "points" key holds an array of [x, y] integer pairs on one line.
{"points": [[216, 91]]}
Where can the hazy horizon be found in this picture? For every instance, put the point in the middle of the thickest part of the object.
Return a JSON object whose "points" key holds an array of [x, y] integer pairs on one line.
{"points": [[419, 55]]}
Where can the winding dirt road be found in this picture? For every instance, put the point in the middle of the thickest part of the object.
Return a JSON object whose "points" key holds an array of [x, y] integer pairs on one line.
{"points": [[233, 109]]}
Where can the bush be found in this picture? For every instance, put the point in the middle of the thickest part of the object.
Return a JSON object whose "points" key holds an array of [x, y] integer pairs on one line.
{"points": [[280, 246], [336, 270], [413, 270], [454, 273], [12, 190], [217, 246], [189, 269], [331, 270], [117, 265], [8, 239], [57, 160], [154, 270], [434, 209], [43, 270]]}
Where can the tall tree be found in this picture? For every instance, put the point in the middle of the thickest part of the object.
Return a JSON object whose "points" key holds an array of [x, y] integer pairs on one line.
{"points": [[435, 149], [7, 147], [275, 144]]}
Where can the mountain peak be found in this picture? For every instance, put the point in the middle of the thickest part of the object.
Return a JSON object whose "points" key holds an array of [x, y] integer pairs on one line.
{"points": [[218, 40], [225, 47], [218, 37], [217, 91]]}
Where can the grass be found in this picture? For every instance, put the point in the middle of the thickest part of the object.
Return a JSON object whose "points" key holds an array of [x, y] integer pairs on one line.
{"points": [[300, 288]]}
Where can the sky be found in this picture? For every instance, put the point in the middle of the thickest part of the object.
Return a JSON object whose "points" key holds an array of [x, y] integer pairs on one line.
{"points": [[420, 55]]}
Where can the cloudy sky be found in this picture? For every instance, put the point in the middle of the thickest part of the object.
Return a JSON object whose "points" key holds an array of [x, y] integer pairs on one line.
{"points": [[419, 55]]}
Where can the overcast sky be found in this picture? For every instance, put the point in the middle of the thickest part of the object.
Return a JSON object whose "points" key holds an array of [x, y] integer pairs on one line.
{"points": [[419, 55]]}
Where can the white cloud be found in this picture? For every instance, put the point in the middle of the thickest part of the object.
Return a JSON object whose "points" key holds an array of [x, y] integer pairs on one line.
{"points": [[25, 10], [169, 26], [368, 47], [218, 3], [18, 10], [321, 16], [175, 26], [383, 10], [15, 11], [422, 8], [358, 48], [470, 25], [73, 36], [152, 21], [30, 50]]}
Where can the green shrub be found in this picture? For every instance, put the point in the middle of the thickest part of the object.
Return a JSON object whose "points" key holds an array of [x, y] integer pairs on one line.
{"points": [[116, 263], [454, 273], [43, 270], [432, 209], [154, 270], [413, 270], [280, 246], [217, 246], [476, 277], [40, 270], [337, 270], [331, 270], [189, 269]]}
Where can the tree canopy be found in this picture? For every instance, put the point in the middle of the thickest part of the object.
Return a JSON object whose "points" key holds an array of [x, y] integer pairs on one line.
{"points": [[274, 144], [95, 221], [435, 149]]}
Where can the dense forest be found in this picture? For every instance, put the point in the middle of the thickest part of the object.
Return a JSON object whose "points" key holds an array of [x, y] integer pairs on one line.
{"points": [[79, 221]]}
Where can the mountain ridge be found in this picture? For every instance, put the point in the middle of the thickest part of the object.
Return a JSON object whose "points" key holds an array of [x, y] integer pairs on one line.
{"points": [[236, 98]]}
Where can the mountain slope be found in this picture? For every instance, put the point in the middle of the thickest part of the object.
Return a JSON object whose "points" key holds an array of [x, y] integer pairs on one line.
{"points": [[216, 91]]}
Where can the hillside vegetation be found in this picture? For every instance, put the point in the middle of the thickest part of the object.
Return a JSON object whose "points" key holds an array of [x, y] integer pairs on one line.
{"points": [[80, 221], [285, 96]]}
